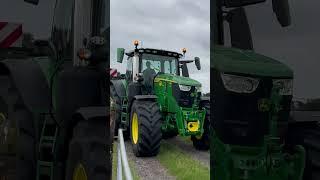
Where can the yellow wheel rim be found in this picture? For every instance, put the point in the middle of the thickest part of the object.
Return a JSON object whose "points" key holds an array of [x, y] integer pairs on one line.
{"points": [[135, 128], [79, 173]]}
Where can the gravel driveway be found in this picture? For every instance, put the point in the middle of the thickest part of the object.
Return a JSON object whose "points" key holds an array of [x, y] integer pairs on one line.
{"points": [[147, 167]]}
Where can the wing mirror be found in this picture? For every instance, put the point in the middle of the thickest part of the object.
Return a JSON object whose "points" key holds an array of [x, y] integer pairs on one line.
{"points": [[34, 2], [281, 9], [120, 54], [197, 62]]}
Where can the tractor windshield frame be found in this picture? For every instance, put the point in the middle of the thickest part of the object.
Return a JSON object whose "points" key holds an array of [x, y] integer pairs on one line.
{"points": [[157, 54], [160, 63]]}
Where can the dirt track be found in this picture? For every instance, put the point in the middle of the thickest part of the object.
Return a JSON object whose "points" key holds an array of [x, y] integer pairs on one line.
{"points": [[147, 167], [150, 168]]}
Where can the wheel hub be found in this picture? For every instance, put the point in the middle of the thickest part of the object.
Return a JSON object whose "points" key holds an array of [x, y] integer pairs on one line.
{"points": [[79, 173], [135, 128]]}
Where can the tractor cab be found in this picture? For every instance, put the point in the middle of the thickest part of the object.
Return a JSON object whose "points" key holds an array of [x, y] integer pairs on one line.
{"points": [[145, 64]]}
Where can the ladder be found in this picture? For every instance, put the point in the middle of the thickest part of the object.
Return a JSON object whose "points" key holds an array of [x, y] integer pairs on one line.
{"points": [[45, 164], [124, 110]]}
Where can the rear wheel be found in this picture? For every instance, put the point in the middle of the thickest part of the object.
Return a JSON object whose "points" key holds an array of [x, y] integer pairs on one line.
{"points": [[202, 142], [145, 128], [89, 156], [17, 134]]}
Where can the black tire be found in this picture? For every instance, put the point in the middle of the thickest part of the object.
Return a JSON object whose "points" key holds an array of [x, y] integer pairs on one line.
{"points": [[307, 134], [149, 128], [22, 163], [89, 147], [117, 102], [203, 142]]}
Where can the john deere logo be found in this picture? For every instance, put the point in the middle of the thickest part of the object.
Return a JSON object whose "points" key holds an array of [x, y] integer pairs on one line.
{"points": [[263, 105]]}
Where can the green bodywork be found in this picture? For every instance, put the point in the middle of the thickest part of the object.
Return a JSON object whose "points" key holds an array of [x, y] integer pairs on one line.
{"points": [[267, 160], [232, 60], [176, 117]]}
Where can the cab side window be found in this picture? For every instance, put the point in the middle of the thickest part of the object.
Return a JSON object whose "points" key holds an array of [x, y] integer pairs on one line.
{"points": [[62, 29], [129, 68]]}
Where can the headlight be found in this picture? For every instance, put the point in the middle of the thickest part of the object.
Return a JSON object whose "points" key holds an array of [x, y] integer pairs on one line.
{"points": [[239, 84], [285, 86], [198, 89], [184, 87]]}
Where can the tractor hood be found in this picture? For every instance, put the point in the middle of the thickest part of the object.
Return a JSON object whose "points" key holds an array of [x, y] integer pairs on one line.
{"points": [[231, 60], [178, 79]]}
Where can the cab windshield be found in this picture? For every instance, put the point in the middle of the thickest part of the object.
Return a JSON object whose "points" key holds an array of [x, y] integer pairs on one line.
{"points": [[157, 63]]}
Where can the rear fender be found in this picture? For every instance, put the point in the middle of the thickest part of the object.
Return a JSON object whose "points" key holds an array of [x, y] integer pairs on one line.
{"points": [[119, 87]]}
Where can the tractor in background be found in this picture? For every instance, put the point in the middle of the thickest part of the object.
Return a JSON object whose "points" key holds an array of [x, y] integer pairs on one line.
{"points": [[253, 135], [54, 118], [157, 99]]}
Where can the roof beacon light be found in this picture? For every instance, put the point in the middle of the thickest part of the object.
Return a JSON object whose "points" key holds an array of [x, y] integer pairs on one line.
{"points": [[184, 50], [136, 43]]}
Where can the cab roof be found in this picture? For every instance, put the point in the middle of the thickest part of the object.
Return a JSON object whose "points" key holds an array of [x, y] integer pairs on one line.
{"points": [[155, 51]]}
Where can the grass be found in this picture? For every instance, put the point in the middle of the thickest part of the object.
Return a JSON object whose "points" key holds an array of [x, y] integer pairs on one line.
{"points": [[181, 165], [114, 165]]}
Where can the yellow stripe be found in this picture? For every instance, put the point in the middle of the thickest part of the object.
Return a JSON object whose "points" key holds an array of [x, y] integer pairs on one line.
{"points": [[158, 79]]}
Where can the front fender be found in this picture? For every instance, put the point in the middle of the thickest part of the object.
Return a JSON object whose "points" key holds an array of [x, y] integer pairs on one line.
{"points": [[29, 80], [97, 113]]}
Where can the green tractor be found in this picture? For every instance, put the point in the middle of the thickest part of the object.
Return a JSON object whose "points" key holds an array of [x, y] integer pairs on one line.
{"points": [[54, 122], [253, 136], [156, 99]]}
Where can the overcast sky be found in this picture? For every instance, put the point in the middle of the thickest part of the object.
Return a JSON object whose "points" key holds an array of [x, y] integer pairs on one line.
{"points": [[166, 24], [297, 46], [35, 19]]}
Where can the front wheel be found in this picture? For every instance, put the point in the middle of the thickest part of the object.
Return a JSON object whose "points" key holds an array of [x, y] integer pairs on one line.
{"points": [[88, 153], [145, 128]]}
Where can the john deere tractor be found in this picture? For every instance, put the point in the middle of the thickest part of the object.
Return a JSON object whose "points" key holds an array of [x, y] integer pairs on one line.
{"points": [[156, 99], [252, 137]]}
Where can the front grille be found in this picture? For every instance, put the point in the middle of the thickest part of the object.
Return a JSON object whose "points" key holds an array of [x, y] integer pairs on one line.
{"points": [[237, 119], [183, 98]]}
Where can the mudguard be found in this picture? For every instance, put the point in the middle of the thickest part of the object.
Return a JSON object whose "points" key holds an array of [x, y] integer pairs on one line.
{"points": [[30, 81], [119, 87], [92, 113]]}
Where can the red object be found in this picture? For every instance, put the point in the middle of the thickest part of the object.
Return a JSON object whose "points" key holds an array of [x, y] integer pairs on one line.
{"points": [[10, 35], [113, 72]]}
